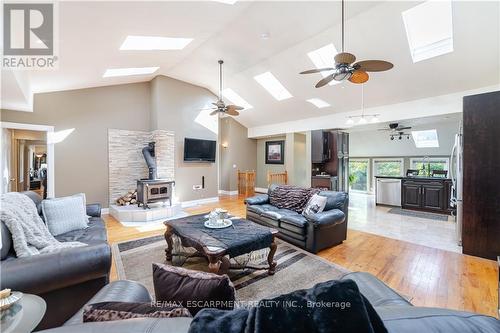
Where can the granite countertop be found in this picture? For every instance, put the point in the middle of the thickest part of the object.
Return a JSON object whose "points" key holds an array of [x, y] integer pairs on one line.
{"points": [[413, 177]]}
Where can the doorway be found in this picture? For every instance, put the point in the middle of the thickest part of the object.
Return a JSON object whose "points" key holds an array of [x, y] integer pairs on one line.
{"points": [[27, 162]]}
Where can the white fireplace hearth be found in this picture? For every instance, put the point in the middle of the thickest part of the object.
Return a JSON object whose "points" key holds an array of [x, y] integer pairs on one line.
{"points": [[158, 212]]}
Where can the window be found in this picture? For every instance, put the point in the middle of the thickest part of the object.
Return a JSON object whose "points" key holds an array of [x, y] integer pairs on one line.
{"points": [[388, 167], [359, 174], [425, 139], [273, 86], [426, 165], [429, 29], [322, 58]]}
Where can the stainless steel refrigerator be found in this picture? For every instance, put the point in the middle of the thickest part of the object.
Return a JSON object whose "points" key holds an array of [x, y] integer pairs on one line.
{"points": [[456, 174]]}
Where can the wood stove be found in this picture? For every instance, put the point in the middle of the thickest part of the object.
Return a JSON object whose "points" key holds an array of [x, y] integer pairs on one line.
{"points": [[154, 190]]}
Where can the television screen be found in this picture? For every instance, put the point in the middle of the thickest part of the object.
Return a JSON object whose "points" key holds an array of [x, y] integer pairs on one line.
{"points": [[197, 150]]}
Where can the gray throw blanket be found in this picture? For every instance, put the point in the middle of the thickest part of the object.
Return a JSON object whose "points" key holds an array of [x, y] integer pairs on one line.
{"points": [[291, 197], [29, 234], [328, 307]]}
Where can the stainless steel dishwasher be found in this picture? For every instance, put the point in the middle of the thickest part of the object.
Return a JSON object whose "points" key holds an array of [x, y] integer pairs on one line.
{"points": [[388, 191]]}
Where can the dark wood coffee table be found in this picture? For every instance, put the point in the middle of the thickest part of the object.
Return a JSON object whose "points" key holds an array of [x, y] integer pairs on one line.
{"points": [[212, 243]]}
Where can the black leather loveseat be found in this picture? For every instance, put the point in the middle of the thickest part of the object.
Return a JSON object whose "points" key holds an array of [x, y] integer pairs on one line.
{"points": [[312, 233], [66, 279]]}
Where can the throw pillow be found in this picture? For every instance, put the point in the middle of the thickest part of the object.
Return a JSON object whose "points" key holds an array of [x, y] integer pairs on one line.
{"points": [[65, 214], [193, 290], [108, 311], [315, 205]]}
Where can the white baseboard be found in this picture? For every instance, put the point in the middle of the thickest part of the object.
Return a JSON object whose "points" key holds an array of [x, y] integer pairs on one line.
{"points": [[223, 192], [192, 203], [260, 190], [104, 210]]}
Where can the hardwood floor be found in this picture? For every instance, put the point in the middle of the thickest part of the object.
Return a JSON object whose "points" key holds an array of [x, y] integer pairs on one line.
{"points": [[432, 277]]}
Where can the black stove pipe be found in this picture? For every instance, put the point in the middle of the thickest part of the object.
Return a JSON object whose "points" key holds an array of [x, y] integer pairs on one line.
{"points": [[149, 155]]}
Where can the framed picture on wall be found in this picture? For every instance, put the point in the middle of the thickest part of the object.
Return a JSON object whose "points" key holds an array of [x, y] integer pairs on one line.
{"points": [[275, 152]]}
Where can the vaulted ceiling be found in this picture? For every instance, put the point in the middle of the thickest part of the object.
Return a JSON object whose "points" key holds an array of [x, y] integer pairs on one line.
{"points": [[91, 34]]}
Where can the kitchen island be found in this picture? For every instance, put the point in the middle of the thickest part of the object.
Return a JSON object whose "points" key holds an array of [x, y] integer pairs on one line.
{"points": [[430, 194]]}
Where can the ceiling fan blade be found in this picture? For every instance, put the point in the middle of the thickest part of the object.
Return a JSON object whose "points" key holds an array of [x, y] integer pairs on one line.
{"points": [[311, 71], [234, 107], [373, 65], [232, 112], [213, 113], [325, 81], [402, 128], [359, 76], [345, 58], [215, 103]]}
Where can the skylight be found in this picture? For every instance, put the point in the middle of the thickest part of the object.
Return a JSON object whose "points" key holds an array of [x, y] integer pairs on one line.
{"points": [[425, 139], [227, 2], [429, 29], [154, 43], [319, 103], [323, 57], [273, 86], [231, 95], [112, 72]]}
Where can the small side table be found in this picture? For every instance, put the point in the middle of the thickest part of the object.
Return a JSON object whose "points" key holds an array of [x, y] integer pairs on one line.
{"points": [[23, 316]]}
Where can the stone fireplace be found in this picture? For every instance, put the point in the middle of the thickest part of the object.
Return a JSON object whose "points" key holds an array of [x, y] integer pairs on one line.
{"points": [[131, 168]]}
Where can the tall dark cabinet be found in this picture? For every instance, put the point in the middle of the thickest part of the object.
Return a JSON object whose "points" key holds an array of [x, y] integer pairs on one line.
{"points": [[481, 165]]}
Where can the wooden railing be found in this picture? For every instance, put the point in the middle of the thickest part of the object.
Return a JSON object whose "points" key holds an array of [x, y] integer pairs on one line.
{"points": [[277, 178], [246, 183]]}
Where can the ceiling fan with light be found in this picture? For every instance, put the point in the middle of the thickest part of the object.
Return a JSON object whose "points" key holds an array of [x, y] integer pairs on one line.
{"points": [[346, 69], [220, 106], [395, 127]]}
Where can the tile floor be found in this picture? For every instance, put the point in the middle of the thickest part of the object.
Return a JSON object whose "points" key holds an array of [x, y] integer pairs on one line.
{"points": [[365, 216]]}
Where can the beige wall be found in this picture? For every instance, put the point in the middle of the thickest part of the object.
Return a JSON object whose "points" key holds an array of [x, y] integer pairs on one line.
{"points": [[81, 160], [262, 167], [239, 154], [175, 106], [300, 166]]}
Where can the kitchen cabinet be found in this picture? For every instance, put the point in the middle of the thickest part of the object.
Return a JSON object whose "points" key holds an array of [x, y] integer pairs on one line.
{"points": [[321, 182], [427, 194], [321, 150]]}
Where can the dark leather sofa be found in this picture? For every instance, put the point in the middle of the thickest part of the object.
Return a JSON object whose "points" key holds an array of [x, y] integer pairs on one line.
{"points": [[314, 233], [67, 279], [398, 315]]}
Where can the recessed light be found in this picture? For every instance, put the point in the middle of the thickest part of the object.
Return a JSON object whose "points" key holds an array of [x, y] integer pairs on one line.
{"points": [[265, 35], [112, 72], [319, 103], [323, 58], [141, 43], [231, 95], [273, 86]]}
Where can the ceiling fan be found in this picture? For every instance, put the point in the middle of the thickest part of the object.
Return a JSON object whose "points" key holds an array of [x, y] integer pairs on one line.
{"points": [[395, 127], [346, 69], [220, 106]]}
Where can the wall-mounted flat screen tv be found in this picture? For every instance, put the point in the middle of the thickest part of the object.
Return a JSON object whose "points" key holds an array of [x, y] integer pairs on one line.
{"points": [[198, 150]]}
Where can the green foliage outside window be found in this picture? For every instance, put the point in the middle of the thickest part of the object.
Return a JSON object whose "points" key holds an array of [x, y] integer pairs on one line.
{"points": [[358, 173]]}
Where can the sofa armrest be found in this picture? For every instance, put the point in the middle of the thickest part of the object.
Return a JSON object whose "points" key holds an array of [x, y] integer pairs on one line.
{"points": [[133, 325], [94, 210], [329, 217], [43, 273], [336, 200], [257, 200]]}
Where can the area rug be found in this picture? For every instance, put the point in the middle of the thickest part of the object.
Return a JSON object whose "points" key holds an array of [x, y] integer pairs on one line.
{"points": [[296, 269], [423, 215]]}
